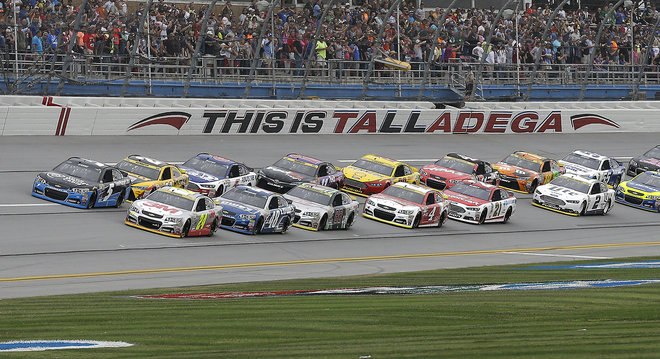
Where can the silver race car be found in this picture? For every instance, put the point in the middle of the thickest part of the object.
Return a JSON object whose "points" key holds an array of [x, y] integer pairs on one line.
{"points": [[321, 208]]}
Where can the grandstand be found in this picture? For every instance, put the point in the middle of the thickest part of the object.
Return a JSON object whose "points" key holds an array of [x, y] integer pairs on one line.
{"points": [[332, 49]]}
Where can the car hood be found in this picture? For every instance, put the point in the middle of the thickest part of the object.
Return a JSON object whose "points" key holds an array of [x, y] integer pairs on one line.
{"points": [[641, 187], [578, 169], [649, 161], [560, 192], [302, 205], [393, 201], [361, 175], [158, 208], [237, 207], [199, 176], [285, 176], [446, 172], [514, 171], [65, 181], [463, 199]]}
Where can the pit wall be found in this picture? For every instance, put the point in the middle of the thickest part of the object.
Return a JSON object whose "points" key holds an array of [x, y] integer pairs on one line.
{"points": [[76, 116]]}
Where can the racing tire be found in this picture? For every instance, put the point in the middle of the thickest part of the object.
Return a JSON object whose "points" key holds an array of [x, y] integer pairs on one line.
{"points": [[443, 218], [534, 185], [507, 216], [185, 229], [349, 221], [616, 183], [120, 199], [285, 225], [259, 226], [583, 209], [482, 217], [92, 200], [608, 206], [416, 221], [323, 223], [219, 192], [214, 226]]}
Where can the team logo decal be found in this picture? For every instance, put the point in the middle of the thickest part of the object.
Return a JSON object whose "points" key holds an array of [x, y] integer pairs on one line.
{"points": [[174, 118], [580, 121]]}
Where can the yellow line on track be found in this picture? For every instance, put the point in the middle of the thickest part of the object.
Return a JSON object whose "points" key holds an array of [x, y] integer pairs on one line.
{"points": [[322, 261]]}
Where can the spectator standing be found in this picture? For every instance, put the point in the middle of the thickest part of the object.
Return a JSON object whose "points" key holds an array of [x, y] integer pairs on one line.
{"points": [[37, 45]]}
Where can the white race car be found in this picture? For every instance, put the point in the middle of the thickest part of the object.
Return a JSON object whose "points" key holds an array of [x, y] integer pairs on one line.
{"points": [[592, 165], [214, 175], [407, 205], [476, 202], [175, 212], [321, 208], [574, 195]]}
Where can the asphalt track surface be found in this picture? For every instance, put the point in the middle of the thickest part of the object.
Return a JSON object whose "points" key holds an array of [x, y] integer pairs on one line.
{"points": [[49, 249]]}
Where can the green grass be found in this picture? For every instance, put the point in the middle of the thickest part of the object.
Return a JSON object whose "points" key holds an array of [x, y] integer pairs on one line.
{"points": [[619, 322]]}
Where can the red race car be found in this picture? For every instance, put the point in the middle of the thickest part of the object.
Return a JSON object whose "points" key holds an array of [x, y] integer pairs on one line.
{"points": [[454, 168]]}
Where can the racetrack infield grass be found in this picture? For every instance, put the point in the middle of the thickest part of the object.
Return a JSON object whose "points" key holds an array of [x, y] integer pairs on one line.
{"points": [[622, 322]]}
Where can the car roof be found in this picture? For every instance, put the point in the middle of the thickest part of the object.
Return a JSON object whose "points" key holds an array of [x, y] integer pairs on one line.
{"points": [[590, 155], [257, 190], [306, 159], [147, 161], [487, 186], [181, 192], [589, 181], [214, 158], [90, 163], [415, 187], [317, 187], [531, 156], [464, 158], [381, 159]]}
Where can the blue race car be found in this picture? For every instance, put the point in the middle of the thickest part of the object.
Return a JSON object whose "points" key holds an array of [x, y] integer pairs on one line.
{"points": [[82, 183], [642, 192], [214, 175], [254, 210]]}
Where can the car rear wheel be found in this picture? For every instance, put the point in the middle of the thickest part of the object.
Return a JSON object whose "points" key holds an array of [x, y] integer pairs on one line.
{"points": [[214, 226], [120, 199], [443, 218], [259, 226], [92, 200], [285, 225], [416, 221], [185, 229], [349, 221], [507, 216], [533, 188], [608, 206], [323, 223], [482, 217]]}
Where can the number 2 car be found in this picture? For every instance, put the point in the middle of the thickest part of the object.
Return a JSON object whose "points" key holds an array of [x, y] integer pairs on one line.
{"points": [[475, 202], [175, 212], [82, 183], [407, 205], [254, 210], [320, 208], [574, 195]]}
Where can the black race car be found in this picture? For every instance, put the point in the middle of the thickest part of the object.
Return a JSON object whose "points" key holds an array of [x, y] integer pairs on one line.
{"points": [[649, 161], [293, 169], [82, 183]]}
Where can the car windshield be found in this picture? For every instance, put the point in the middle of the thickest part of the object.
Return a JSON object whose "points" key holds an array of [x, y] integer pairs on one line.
{"points": [[404, 193], [140, 170], [295, 166], [653, 153], [374, 167], [207, 166], [522, 162], [310, 195], [648, 179], [455, 164], [573, 184], [172, 200], [90, 174], [582, 161], [251, 198], [471, 190]]}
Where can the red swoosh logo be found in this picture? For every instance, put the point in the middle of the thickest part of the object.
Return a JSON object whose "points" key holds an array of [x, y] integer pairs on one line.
{"points": [[580, 121], [175, 119]]}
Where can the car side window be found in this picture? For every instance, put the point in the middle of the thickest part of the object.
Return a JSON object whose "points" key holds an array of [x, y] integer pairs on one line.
{"points": [[480, 169], [605, 165], [407, 170], [487, 168], [242, 170], [331, 169], [614, 163], [399, 171], [116, 175], [273, 203], [595, 189], [336, 202], [175, 172], [323, 170], [167, 174], [430, 198], [282, 202], [546, 166], [201, 205], [107, 176], [603, 188], [497, 196], [345, 198]]}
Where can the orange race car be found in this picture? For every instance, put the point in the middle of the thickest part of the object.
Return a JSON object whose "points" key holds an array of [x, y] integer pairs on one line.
{"points": [[524, 171]]}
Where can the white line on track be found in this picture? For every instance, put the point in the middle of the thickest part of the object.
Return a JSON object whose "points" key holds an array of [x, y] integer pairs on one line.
{"points": [[28, 204], [556, 255]]}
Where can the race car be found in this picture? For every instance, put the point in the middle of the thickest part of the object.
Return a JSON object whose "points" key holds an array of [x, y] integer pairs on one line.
{"points": [[592, 165], [148, 175], [574, 195], [293, 169], [476, 202], [213, 175], [407, 205], [453, 168], [254, 210], [372, 174], [524, 171], [175, 212], [82, 183], [649, 161], [320, 208], [643, 191]]}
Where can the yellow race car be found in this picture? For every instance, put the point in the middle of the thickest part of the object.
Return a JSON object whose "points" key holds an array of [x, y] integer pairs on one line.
{"points": [[371, 174], [642, 192], [148, 175]]}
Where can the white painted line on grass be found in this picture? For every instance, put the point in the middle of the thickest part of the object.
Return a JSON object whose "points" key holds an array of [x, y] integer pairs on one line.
{"points": [[556, 255]]}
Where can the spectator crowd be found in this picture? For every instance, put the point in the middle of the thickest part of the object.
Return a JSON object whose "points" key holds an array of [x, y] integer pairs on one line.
{"points": [[348, 33]]}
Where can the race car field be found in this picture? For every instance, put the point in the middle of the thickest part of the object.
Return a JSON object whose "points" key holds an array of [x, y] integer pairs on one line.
{"points": [[607, 322]]}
